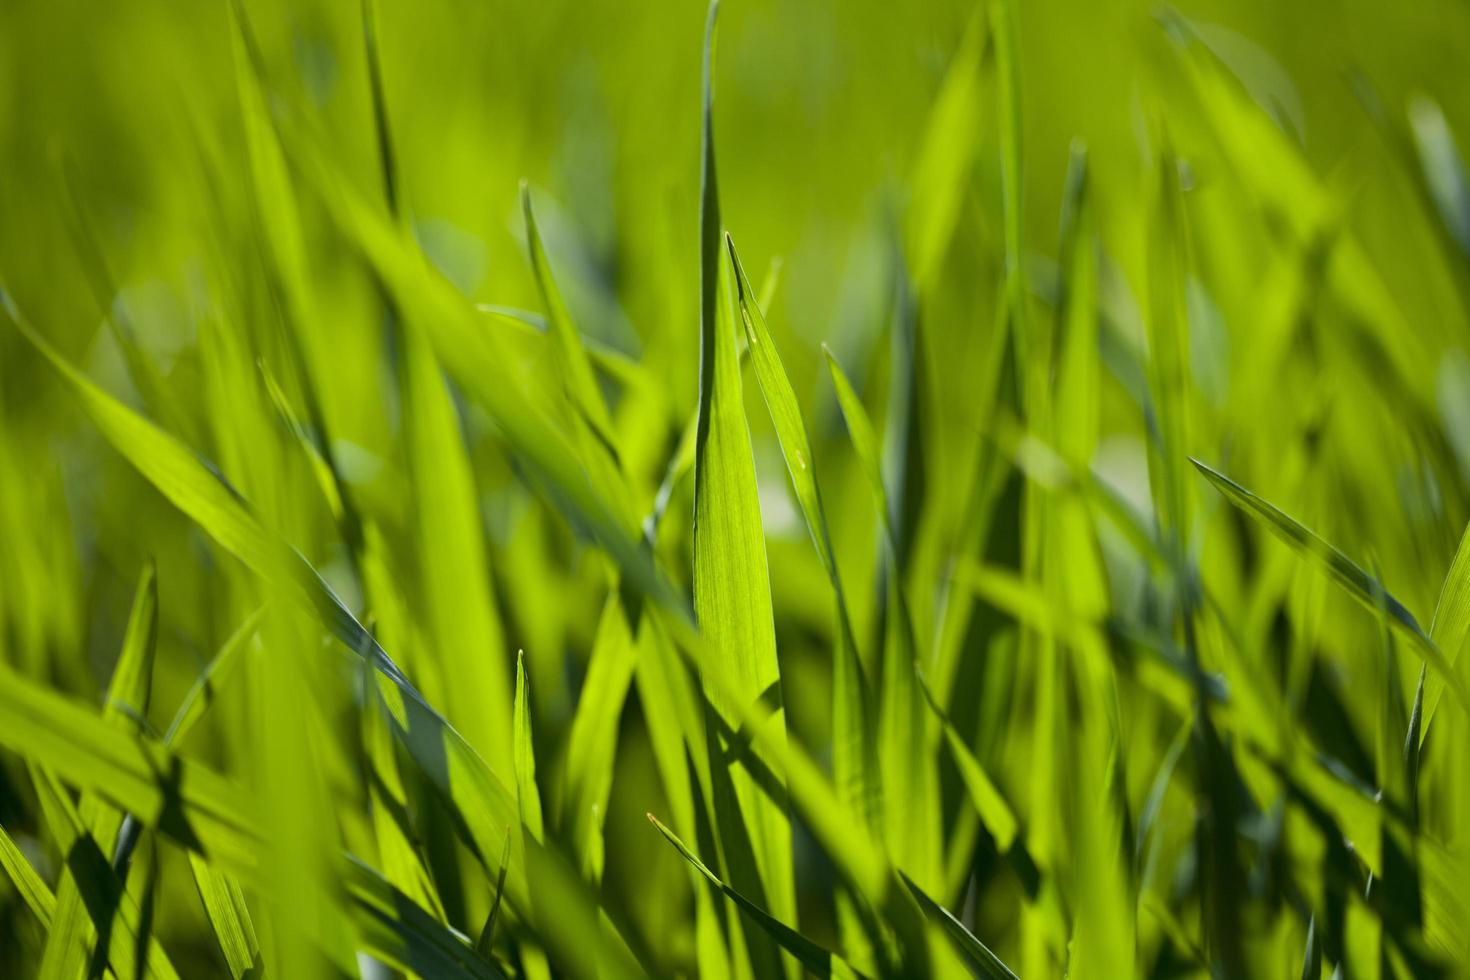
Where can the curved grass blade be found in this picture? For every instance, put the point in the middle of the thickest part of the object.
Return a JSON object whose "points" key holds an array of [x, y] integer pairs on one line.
{"points": [[203, 812], [573, 362], [1358, 583], [819, 961], [995, 813], [453, 767], [401, 933], [982, 962]]}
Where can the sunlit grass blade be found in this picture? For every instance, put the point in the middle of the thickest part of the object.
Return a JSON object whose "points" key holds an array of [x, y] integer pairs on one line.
{"points": [[908, 779], [593, 743], [732, 592], [458, 595], [480, 362], [854, 768], [528, 796], [818, 961], [1356, 582], [486, 804], [115, 918], [33, 891], [573, 362], [234, 929], [198, 809], [126, 707]]}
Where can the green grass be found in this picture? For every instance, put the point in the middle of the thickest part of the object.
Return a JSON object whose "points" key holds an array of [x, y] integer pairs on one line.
{"points": [[975, 493]]}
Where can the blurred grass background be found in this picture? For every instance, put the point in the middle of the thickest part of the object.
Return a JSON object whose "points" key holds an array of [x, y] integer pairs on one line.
{"points": [[1326, 284]]}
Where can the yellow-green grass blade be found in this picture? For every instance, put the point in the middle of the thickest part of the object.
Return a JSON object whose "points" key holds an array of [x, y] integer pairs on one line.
{"points": [[1104, 928], [572, 360], [126, 707], [854, 767], [1448, 630], [732, 593], [908, 779], [465, 631], [114, 912], [593, 743], [453, 767], [1348, 574], [856, 853], [946, 155], [196, 808], [818, 961], [995, 813], [33, 891], [528, 796], [482, 364], [229, 917]]}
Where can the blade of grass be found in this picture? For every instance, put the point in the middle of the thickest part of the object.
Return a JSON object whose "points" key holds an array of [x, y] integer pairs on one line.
{"points": [[593, 743], [818, 961], [981, 961], [115, 916], [732, 592], [452, 766], [1356, 582], [32, 890], [854, 768], [906, 768], [945, 157], [77, 926]]}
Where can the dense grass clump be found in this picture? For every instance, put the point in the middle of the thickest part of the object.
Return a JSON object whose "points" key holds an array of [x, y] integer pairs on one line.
{"points": [[984, 495]]}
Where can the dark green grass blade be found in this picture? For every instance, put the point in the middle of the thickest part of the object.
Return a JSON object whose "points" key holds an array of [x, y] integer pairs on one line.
{"points": [[981, 961], [399, 932], [819, 961]]}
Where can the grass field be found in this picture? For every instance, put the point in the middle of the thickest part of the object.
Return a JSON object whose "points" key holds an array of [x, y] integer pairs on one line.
{"points": [[506, 489]]}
